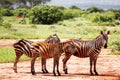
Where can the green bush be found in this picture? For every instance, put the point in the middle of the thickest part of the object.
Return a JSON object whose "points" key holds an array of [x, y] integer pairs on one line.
{"points": [[45, 14], [1, 19], [21, 12], [74, 7], [6, 12], [71, 13], [94, 9], [116, 49], [116, 13], [23, 21], [102, 17]]}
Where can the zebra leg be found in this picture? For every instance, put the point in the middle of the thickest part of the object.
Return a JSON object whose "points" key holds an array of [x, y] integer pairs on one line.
{"points": [[57, 61], [45, 67], [91, 62], [66, 58], [16, 61], [95, 67], [32, 65], [54, 67], [44, 70]]}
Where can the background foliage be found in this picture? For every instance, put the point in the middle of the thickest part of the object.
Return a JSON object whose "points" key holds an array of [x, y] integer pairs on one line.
{"points": [[45, 14]]}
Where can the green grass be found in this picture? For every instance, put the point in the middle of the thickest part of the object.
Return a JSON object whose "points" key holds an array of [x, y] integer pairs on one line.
{"points": [[73, 28], [7, 54]]}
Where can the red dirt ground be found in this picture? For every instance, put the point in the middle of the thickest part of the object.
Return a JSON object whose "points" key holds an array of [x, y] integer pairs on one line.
{"points": [[108, 66]]}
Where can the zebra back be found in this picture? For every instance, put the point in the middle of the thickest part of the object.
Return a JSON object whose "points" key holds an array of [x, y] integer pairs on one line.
{"points": [[23, 46], [47, 50], [90, 47]]}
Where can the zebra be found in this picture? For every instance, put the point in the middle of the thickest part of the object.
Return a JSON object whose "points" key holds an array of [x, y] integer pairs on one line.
{"points": [[88, 48], [24, 47], [48, 50], [21, 47], [51, 39]]}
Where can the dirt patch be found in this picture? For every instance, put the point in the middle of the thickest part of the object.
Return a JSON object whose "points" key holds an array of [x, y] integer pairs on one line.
{"points": [[108, 66]]}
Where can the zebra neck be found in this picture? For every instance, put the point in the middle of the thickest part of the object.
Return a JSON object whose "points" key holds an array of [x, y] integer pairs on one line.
{"points": [[61, 45], [98, 43]]}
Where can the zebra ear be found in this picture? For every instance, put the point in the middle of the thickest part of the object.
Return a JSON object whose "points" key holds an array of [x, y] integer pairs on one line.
{"points": [[108, 32], [101, 32]]}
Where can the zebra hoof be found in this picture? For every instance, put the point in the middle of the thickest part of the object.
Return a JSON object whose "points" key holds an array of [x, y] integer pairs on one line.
{"points": [[66, 72], [92, 74], [46, 71], [96, 74], [54, 74], [59, 74], [33, 73], [15, 70]]}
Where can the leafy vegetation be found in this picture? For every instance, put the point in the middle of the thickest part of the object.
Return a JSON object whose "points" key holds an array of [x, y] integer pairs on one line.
{"points": [[45, 14], [7, 54], [94, 9]]}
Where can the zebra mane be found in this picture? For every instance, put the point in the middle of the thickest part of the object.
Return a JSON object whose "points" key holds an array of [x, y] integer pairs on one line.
{"points": [[99, 36], [52, 39]]}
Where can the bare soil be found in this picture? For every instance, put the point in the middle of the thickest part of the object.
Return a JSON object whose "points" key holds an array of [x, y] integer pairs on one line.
{"points": [[108, 67]]}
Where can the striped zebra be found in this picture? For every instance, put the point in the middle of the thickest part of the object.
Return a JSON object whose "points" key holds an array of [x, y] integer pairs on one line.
{"points": [[51, 39], [21, 47], [24, 47], [47, 50], [89, 48]]}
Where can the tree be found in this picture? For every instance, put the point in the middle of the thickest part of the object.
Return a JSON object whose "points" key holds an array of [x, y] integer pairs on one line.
{"points": [[22, 3], [26, 3], [6, 3], [94, 9], [74, 7]]}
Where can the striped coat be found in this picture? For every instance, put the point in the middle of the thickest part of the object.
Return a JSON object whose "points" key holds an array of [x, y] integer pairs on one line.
{"points": [[47, 50], [24, 47], [89, 48]]}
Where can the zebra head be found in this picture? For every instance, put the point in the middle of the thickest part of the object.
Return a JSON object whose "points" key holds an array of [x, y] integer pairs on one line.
{"points": [[53, 39], [70, 48], [56, 38], [105, 38]]}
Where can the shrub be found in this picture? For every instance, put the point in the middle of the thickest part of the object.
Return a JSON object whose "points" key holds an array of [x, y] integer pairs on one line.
{"points": [[71, 13], [6, 12], [74, 7], [1, 20], [61, 7], [102, 17], [94, 9], [21, 12], [116, 13], [45, 14], [23, 21], [116, 49]]}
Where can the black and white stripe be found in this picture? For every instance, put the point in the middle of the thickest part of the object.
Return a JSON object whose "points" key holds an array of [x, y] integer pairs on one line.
{"points": [[47, 50], [24, 47], [89, 48]]}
